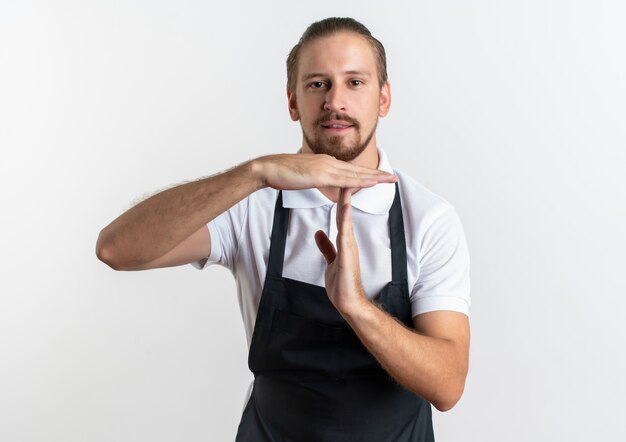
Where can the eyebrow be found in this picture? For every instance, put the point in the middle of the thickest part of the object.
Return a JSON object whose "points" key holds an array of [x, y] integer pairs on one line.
{"points": [[319, 74]]}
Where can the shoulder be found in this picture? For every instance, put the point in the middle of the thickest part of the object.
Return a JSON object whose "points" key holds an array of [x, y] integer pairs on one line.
{"points": [[263, 200], [420, 205], [263, 196], [255, 207], [256, 211]]}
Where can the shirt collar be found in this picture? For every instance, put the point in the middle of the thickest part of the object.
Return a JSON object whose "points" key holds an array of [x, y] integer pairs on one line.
{"points": [[376, 200]]}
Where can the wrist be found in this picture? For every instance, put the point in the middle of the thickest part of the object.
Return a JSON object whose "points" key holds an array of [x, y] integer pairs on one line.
{"points": [[256, 170], [357, 307]]}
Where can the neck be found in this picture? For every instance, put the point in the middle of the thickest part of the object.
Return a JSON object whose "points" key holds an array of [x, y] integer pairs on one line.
{"points": [[368, 158]]}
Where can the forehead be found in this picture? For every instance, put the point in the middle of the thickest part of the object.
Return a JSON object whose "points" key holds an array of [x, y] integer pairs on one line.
{"points": [[340, 52]]}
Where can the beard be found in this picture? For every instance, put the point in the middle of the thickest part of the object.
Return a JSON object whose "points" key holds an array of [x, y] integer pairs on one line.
{"points": [[337, 145]]}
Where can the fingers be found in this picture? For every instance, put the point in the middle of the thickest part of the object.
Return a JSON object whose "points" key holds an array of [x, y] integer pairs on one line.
{"points": [[325, 246], [358, 176], [357, 181], [305, 171], [344, 227], [344, 174], [345, 235]]}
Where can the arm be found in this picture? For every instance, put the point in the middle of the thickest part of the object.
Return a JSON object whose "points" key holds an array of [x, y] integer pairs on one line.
{"points": [[432, 360], [141, 237], [169, 228]]}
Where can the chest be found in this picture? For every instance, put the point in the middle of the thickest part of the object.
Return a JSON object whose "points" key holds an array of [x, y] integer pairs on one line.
{"points": [[304, 262]]}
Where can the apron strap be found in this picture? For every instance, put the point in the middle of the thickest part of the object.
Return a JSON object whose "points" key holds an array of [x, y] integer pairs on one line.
{"points": [[396, 234], [398, 243], [279, 239]]}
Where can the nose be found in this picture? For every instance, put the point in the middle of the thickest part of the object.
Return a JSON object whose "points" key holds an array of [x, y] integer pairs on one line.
{"points": [[335, 100]]}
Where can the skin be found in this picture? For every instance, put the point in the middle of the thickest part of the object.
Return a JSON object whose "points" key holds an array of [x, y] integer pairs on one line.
{"points": [[336, 79]]}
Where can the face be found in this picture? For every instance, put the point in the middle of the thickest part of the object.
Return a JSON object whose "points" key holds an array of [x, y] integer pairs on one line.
{"points": [[337, 97]]}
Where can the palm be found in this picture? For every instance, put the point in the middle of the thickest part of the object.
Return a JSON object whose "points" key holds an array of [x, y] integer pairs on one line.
{"points": [[343, 276]]}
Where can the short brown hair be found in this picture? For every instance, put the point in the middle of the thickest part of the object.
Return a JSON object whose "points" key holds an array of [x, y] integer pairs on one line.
{"points": [[330, 26]]}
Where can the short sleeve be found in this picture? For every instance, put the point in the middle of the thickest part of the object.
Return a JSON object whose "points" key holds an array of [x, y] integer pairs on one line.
{"points": [[443, 281], [225, 231]]}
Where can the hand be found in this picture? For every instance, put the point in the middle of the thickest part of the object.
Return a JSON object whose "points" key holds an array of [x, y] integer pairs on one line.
{"points": [[306, 171], [343, 274]]}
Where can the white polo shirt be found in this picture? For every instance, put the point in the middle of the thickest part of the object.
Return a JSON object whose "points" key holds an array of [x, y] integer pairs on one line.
{"points": [[437, 254]]}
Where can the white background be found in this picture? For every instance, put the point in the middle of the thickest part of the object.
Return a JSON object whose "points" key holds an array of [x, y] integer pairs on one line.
{"points": [[513, 111]]}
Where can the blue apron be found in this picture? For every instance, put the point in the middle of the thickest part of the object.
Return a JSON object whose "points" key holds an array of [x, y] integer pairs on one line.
{"points": [[314, 381]]}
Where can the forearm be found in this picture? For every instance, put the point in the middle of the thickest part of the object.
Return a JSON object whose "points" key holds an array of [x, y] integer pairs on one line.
{"points": [[433, 368], [156, 225]]}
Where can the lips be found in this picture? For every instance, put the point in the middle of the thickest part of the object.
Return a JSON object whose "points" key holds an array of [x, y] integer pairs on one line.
{"points": [[337, 125]]}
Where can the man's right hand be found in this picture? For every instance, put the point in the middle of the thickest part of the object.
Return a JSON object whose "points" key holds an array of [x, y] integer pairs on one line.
{"points": [[307, 170]]}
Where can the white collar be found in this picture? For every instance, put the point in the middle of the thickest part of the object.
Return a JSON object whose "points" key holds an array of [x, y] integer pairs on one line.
{"points": [[376, 200]]}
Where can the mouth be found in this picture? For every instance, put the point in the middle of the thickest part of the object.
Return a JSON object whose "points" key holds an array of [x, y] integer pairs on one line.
{"points": [[337, 126]]}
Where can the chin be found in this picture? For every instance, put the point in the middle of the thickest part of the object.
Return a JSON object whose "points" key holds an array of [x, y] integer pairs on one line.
{"points": [[337, 146], [340, 151], [343, 153]]}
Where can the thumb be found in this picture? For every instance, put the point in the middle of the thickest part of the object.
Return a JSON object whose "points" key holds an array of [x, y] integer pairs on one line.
{"points": [[325, 246]]}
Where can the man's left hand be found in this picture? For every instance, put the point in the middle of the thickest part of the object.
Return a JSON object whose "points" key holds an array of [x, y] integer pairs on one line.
{"points": [[343, 274]]}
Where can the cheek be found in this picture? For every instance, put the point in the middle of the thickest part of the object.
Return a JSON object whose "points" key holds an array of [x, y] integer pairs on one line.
{"points": [[309, 110], [368, 105]]}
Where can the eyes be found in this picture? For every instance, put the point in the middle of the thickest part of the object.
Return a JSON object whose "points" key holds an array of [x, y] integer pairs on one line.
{"points": [[317, 85]]}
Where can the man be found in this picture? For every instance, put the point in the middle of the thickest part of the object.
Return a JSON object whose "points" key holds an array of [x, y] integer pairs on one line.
{"points": [[351, 339]]}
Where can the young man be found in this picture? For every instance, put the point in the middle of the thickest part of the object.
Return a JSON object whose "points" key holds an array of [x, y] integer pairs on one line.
{"points": [[353, 279]]}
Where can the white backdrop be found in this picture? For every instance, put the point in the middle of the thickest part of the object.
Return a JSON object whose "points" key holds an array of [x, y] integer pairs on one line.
{"points": [[513, 111]]}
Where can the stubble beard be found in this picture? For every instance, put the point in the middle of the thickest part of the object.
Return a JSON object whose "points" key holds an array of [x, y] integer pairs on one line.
{"points": [[335, 145]]}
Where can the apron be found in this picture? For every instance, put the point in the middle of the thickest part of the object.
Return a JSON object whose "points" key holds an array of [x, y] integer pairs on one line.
{"points": [[314, 381]]}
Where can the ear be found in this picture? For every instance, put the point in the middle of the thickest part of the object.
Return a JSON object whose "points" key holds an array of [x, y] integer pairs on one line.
{"points": [[385, 99], [293, 106]]}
